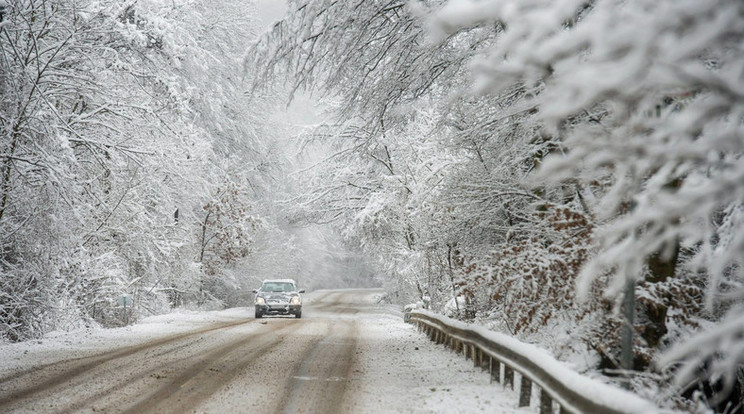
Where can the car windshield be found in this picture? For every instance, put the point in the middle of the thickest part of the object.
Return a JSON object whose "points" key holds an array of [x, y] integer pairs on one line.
{"points": [[277, 287]]}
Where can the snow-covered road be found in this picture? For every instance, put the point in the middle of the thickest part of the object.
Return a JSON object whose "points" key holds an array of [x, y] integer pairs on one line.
{"points": [[346, 355]]}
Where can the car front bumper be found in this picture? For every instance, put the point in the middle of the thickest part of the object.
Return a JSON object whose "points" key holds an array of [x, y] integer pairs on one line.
{"points": [[278, 309]]}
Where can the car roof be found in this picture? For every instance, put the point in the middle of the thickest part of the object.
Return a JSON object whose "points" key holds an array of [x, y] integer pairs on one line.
{"points": [[280, 281]]}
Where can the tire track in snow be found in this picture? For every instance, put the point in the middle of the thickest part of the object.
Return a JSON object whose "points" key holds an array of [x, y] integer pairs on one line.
{"points": [[219, 367], [62, 372], [319, 383], [170, 370]]}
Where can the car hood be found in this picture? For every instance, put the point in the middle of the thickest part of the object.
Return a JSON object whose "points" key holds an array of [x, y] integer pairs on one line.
{"points": [[282, 296]]}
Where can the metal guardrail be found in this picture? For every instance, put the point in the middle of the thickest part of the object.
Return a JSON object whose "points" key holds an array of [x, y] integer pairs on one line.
{"points": [[490, 356]]}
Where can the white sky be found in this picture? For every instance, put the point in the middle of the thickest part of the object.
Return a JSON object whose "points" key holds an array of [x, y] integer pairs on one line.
{"points": [[269, 11]]}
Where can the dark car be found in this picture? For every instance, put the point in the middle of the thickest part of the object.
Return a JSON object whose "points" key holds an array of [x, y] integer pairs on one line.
{"points": [[278, 297]]}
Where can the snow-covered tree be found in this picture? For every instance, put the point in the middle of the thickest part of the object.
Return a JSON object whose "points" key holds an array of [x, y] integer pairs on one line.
{"points": [[643, 99], [408, 183], [118, 120]]}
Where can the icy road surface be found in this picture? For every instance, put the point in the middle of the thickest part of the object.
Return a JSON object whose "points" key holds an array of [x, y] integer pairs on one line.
{"points": [[347, 355]]}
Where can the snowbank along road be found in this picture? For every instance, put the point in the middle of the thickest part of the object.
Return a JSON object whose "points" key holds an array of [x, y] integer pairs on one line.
{"points": [[347, 355]]}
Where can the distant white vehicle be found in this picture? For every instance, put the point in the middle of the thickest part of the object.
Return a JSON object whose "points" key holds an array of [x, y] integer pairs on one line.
{"points": [[278, 297]]}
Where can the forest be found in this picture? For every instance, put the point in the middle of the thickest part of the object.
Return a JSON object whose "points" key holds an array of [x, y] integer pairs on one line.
{"points": [[568, 172]]}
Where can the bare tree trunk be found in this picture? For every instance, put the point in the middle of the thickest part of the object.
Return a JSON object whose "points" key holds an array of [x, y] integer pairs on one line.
{"points": [[203, 242], [452, 277]]}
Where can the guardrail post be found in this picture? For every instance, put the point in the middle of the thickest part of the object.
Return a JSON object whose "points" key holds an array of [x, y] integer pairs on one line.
{"points": [[476, 356], [508, 377], [546, 403], [564, 410], [525, 391], [495, 370]]}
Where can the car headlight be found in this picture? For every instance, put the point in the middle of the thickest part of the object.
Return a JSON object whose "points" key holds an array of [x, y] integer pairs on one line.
{"points": [[260, 301], [295, 300]]}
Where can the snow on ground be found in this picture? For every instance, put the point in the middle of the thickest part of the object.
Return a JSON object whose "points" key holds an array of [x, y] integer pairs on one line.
{"points": [[398, 365], [398, 370], [395, 368], [85, 342]]}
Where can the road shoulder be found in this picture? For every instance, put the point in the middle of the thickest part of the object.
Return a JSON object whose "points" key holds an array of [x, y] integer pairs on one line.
{"points": [[398, 370]]}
